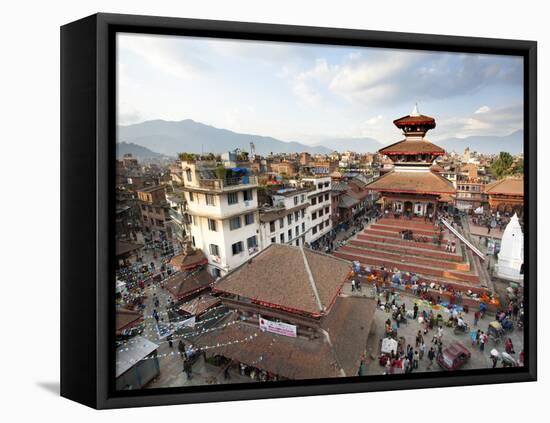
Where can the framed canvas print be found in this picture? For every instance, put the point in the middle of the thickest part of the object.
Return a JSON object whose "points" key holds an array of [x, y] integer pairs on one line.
{"points": [[255, 211]]}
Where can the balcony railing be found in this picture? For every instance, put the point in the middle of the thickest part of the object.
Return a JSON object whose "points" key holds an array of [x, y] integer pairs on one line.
{"points": [[220, 184]]}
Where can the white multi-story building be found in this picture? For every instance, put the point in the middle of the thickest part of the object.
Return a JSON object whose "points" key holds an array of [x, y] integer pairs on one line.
{"points": [[319, 210], [222, 214], [287, 221]]}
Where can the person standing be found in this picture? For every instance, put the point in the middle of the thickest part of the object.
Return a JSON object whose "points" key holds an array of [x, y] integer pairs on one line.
{"points": [[415, 311], [509, 347], [181, 349], [416, 357], [482, 340], [419, 339]]}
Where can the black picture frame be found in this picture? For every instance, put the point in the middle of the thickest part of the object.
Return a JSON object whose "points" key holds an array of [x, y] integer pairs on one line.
{"points": [[88, 125]]}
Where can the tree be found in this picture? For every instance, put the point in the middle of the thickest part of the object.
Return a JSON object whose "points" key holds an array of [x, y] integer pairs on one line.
{"points": [[186, 157], [221, 172], [502, 166], [518, 167]]}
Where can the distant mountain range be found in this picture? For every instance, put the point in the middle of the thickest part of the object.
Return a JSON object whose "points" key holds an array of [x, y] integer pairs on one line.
{"points": [[358, 145], [512, 143], [171, 138], [155, 138], [137, 151]]}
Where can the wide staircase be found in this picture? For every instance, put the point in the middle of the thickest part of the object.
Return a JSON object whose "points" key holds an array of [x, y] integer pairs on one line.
{"points": [[382, 244]]}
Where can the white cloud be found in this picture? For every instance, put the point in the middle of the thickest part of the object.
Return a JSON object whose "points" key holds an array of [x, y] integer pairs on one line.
{"points": [[175, 56], [482, 109], [370, 78], [305, 93], [374, 120], [501, 121]]}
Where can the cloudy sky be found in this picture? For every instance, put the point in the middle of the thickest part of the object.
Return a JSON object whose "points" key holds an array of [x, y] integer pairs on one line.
{"points": [[300, 92]]}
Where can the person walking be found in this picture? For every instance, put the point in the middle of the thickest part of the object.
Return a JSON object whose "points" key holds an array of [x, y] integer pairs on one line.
{"points": [[482, 340], [439, 348], [440, 334], [415, 311], [416, 357], [188, 369], [476, 317], [431, 356], [422, 350]]}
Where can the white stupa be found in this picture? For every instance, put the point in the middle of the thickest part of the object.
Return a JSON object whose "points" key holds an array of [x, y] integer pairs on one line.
{"points": [[510, 257]]}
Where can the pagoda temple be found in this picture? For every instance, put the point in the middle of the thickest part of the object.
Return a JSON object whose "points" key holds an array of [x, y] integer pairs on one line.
{"points": [[412, 188]]}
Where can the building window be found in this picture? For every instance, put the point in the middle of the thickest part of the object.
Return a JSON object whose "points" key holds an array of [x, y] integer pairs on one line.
{"points": [[320, 212], [252, 244], [314, 230], [302, 198], [210, 200], [303, 213], [273, 240], [232, 198], [191, 198], [326, 197], [214, 250], [237, 248], [319, 186], [235, 223], [296, 215], [247, 195], [326, 184], [193, 241], [326, 210], [282, 237], [281, 223], [297, 243], [289, 234], [188, 174], [297, 230], [313, 201], [271, 226], [303, 227], [289, 219], [212, 225], [296, 200], [313, 216], [249, 219]]}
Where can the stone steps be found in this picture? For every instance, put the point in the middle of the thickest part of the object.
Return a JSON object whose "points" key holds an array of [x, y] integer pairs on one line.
{"points": [[409, 249], [404, 223], [382, 238], [397, 229], [431, 262], [407, 266]]}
